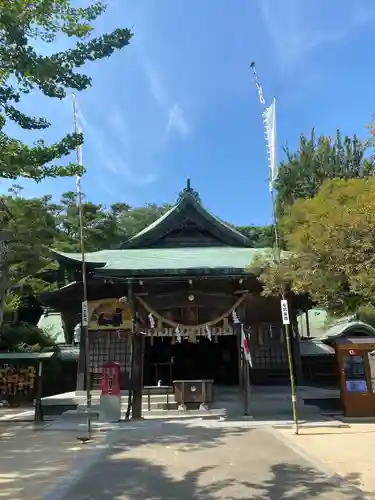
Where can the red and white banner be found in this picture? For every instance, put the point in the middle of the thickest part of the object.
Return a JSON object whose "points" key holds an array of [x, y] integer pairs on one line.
{"points": [[245, 346], [244, 342]]}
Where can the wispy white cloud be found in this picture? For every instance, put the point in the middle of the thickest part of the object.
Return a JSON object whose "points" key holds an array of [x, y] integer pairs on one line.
{"points": [[298, 28], [99, 143], [172, 109], [177, 121], [157, 87]]}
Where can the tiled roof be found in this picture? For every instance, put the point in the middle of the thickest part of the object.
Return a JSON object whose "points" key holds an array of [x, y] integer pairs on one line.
{"points": [[188, 206], [314, 347], [348, 328], [320, 322], [51, 323], [68, 353], [171, 259]]}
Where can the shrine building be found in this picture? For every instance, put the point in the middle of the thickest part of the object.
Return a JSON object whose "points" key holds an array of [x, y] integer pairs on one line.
{"points": [[163, 305]]}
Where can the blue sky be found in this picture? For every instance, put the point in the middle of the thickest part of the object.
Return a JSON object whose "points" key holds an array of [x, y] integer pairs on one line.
{"points": [[180, 100]]}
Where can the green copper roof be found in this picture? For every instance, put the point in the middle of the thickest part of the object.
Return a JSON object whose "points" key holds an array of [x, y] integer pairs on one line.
{"points": [[348, 328], [144, 260], [189, 208], [51, 323]]}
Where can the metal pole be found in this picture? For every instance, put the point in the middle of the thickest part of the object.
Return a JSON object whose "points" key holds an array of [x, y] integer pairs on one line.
{"points": [[84, 312], [277, 259], [287, 321]]}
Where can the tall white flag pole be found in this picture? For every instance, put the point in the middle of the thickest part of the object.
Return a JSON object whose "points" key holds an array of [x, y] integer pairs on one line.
{"points": [[84, 310], [269, 123], [269, 130]]}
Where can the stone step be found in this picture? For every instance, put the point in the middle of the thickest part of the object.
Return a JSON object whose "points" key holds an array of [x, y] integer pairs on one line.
{"points": [[80, 416], [154, 398], [145, 406]]}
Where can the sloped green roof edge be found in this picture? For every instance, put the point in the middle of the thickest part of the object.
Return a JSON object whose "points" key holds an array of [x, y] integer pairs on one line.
{"points": [[173, 260], [342, 329], [154, 224], [161, 225]]}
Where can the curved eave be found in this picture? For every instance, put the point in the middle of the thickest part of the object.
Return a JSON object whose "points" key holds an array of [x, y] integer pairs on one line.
{"points": [[338, 331], [154, 273], [49, 298], [76, 258]]}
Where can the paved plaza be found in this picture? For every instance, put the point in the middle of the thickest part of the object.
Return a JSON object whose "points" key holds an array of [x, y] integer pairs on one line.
{"points": [[164, 461], [33, 462], [175, 461]]}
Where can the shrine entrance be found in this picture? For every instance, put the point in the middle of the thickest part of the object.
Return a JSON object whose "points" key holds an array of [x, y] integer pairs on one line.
{"points": [[215, 359]]}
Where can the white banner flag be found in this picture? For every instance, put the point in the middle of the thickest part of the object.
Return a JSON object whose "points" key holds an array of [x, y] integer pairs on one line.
{"points": [[77, 130], [269, 117], [260, 92]]}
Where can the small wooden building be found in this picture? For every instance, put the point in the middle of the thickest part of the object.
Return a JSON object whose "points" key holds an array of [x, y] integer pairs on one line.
{"points": [[356, 361], [175, 286]]}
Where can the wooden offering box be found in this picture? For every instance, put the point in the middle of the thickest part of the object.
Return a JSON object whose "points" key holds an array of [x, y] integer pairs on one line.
{"points": [[193, 391], [356, 360]]}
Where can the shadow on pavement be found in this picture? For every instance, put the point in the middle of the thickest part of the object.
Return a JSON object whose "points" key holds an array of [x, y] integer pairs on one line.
{"points": [[142, 480], [33, 462], [207, 464]]}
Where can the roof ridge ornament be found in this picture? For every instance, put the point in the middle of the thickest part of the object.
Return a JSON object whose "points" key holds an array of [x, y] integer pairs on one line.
{"points": [[188, 191]]}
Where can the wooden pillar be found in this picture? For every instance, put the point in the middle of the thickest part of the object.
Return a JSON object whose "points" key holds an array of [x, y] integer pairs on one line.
{"points": [[246, 387], [237, 332], [137, 359], [307, 323], [61, 281], [81, 362], [38, 412], [138, 376], [297, 360]]}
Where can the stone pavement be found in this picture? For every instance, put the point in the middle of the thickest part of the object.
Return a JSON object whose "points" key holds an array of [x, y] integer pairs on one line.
{"points": [[33, 462], [347, 451], [177, 461]]}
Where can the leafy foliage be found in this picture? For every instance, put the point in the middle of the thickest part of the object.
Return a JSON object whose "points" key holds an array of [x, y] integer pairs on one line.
{"points": [[331, 241], [25, 27], [31, 224], [38, 224], [316, 160], [259, 236], [23, 337]]}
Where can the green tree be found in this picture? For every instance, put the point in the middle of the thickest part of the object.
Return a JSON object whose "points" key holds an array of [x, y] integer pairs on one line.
{"points": [[24, 27], [31, 225], [100, 226], [331, 238], [133, 220], [316, 160], [259, 236]]}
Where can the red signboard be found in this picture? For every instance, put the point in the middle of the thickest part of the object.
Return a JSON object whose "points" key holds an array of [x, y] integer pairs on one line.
{"points": [[111, 379]]}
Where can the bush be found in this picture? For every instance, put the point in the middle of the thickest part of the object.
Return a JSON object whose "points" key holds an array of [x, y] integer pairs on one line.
{"points": [[23, 337]]}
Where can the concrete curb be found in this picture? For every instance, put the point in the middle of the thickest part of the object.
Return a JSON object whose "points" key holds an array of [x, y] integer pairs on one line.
{"points": [[78, 469], [332, 477]]}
